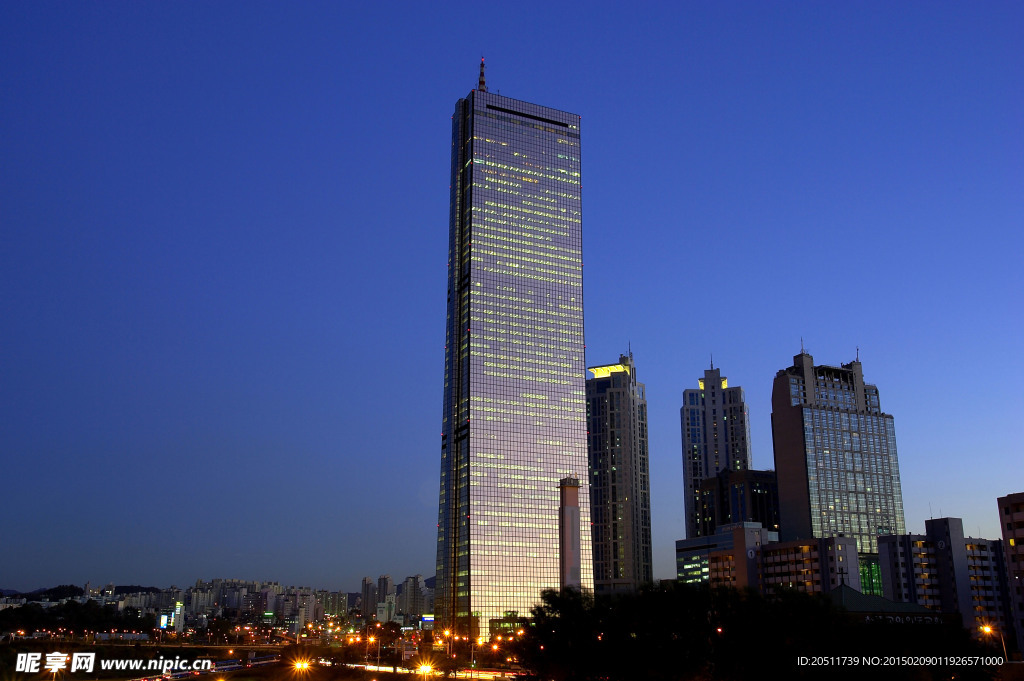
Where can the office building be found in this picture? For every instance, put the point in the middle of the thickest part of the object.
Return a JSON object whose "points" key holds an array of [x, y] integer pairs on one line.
{"points": [[1011, 520], [835, 458], [514, 413], [945, 571], [737, 542], [742, 496], [716, 437], [620, 490]]}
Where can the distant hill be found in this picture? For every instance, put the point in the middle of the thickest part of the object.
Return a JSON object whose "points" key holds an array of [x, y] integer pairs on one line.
{"points": [[54, 593], [135, 589], [57, 593]]}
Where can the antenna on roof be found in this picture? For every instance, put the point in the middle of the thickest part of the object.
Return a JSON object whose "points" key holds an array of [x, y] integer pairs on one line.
{"points": [[483, 84], [801, 345], [858, 353], [712, 360]]}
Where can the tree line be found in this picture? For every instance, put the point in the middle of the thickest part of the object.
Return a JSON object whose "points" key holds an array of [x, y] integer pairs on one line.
{"points": [[679, 632]]}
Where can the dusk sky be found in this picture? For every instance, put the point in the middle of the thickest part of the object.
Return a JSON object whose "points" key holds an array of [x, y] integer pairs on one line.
{"points": [[224, 244]]}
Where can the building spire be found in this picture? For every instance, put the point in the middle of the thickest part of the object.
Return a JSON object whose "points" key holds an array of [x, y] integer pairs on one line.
{"points": [[712, 361], [483, 84]]}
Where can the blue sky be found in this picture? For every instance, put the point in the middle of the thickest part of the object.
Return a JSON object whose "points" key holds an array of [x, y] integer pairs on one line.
{"points": [[224, 231]]}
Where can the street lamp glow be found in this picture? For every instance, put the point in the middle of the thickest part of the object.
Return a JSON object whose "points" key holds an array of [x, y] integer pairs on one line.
{"points": [[988, 630]]}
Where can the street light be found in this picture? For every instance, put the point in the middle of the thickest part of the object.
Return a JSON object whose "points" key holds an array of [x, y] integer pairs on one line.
{"points": [[472, 647], [987, 629]]}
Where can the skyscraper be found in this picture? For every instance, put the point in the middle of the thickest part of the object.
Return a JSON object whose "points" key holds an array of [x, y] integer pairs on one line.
{"points": [[716, 437], [620, 491], [513, 422], [835, 458]]}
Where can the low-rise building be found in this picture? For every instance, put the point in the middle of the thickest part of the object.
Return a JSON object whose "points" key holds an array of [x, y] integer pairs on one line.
{"points": [[947, 572]]}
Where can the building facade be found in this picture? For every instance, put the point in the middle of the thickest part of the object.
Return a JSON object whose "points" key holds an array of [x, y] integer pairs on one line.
{"points": [[835, 458], [368, 599], [514, 414], [716, 437], [944, 570], [747, 555], [410, 600], [738, 497], [385, 588], [1011, 520], [620, 491], [735, 550], [810, 566]]}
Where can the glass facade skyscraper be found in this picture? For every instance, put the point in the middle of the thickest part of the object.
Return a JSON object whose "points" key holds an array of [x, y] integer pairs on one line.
{"points": [[835, 458], [514, 413]]}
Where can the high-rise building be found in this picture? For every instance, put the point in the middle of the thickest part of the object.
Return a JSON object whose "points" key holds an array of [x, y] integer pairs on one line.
{"points": [[514, 415], [620, 490], [385, 588], [1011, 520], [335, 603], [716, 437], [835, 459], [368, 600], [410, 601]]}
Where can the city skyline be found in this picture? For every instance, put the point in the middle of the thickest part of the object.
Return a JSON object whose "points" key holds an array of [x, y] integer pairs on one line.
{"points": [[206, 364]]}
